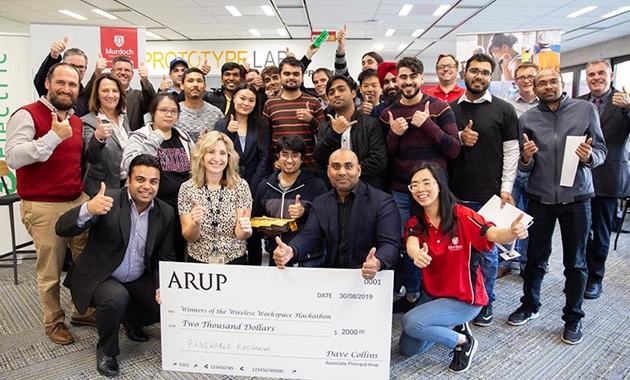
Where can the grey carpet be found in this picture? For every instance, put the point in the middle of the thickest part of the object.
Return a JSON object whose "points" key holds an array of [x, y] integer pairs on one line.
{"points": [[533, 351]]}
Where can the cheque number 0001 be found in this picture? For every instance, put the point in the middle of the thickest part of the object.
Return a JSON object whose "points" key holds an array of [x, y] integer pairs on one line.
{"points": [[372, 281]]}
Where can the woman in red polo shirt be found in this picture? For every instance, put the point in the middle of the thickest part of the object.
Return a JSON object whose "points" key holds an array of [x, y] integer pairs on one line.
{"points": [[444, 238]]}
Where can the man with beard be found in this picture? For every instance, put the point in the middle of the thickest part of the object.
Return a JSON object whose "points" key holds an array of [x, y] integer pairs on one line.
{"points": [[544, 130], [612, 179], [419, 128], [387, 78], [231, 76], [446, 68], [486, 165], [138, 101], [73, 56], [44, 146], [346, 127], [293, 112], [196, 115]]}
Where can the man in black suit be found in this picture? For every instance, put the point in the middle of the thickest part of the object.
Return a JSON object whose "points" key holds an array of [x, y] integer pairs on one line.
{"points": [[130, 232], [612, 179]]}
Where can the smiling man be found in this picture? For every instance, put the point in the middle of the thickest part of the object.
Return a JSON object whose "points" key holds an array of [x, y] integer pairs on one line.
{"points": [[196, 115], [446, 69]]}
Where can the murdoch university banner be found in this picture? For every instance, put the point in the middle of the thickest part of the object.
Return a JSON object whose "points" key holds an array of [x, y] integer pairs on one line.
{"points": [[15, 91]]}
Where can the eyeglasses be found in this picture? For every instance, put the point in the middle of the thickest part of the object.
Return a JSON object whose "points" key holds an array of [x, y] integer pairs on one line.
{"points": [[166, 111], [424, 185], [524, 78], [543, 84], [475, 72], [442, 67], [80, 67]]}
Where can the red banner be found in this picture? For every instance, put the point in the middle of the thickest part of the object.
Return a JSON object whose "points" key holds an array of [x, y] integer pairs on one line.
{"points": [[119, 41]]}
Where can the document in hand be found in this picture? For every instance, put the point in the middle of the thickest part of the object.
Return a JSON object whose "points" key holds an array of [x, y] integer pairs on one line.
{"points": [[503, 218]]}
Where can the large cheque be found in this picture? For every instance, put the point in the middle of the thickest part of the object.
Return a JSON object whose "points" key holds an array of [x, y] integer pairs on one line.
{"points": [[299, 323]]}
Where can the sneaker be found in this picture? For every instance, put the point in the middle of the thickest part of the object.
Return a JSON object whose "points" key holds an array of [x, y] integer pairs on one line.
{"points": [[463, 329], [403, 305], [521, 317], [572, 332], [484, 318], [462, 355]]}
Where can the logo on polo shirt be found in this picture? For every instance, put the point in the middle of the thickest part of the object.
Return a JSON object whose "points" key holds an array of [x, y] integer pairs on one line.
{"points": [[455, 245]]}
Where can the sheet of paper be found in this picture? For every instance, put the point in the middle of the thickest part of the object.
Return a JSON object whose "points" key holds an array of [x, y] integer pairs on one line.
{"points": [[503, 217], [296, 323], [570, 161]]}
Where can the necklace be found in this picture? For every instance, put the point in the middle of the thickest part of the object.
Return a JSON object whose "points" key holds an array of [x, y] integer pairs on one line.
{"points": [[214, 209]]}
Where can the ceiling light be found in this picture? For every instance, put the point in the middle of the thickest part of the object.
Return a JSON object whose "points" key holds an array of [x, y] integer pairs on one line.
{"points": [[441, 10], [378, 46], [72, 14], [267, 10], [254, 32], [232, 9], [417, 33], [404, 11], [104, 14], [617, 12], [402, 46], [282, 32], [153, 35], [582, 11], [390, 32]]}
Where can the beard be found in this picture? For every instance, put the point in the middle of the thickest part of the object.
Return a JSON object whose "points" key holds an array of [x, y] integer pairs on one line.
{"points": [[469, 87], [60, 104], [292, 87], [415, 92]]}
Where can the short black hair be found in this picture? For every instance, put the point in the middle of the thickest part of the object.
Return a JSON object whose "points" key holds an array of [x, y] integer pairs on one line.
{"points": [[377, 57], [193, 70], [291, 142], [145, 160], [482, 58], [367, 74], [349, 82], [291, 61], [412, 63], [227, 66], [158, 98]]}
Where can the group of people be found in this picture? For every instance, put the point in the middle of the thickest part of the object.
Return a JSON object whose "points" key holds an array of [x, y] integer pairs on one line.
{"points": [[377, 175]]}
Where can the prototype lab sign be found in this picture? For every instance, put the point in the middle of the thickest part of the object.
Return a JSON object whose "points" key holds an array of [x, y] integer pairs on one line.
{"points": [[297, 323]]}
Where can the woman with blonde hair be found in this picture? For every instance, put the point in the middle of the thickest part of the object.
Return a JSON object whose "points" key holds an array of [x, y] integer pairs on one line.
{"points": [[215, 204]]}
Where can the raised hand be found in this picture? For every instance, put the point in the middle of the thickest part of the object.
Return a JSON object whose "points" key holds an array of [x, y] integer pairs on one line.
{"points": [[232, 125], [422, 258], [296, 210], [621, 99], [61, 128], [166, 84], [340, 124], [205, 68], [143, 72], [398, 125], [584, 150], [282, 254], [305, 114], [58, 47], [341, 39], [101, 203], [518, 228], [371, 265], [101, 64], [529, 149], [468, 136], [245, 222], [366, 108], [197, 213], [103, 130], [419, 117]]}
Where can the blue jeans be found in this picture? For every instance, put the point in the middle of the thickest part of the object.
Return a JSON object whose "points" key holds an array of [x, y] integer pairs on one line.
{"points": [[575, 222], [603, 211], [519, 193], [413, 276], [489, 260], [430, 322]]}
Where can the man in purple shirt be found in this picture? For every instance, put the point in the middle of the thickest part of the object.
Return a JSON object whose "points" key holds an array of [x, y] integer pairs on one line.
{"points": [[130, 232]]}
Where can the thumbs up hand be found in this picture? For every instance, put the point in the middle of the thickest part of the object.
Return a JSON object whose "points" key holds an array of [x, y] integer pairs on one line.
{"points": [[205, 68], [419, 117], [232, 125], [398, 125], [101, 203], [103, 130], [468, 136], [421, 257], [143, 72], [296, 210], [518, 228], [61, 128], [244, 223], [198, 212], [584, 150], [621, 99], [305, 114], [58, 47], [341, 39], [166, 84], [371, 265], [101, 64], [529, 149], [282, 254]]}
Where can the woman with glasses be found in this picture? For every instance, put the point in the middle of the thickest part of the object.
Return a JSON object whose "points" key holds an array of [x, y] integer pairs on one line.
{"points": [[215, 204], [444, 238], [105, 133], [172, 146]]}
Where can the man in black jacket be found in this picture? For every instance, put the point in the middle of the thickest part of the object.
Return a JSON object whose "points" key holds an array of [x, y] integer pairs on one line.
{"points": [[348, 128], [130, 232]]}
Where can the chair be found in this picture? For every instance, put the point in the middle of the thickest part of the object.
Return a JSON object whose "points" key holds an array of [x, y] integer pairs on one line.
{"points": [[8, 200], [626, 203]]}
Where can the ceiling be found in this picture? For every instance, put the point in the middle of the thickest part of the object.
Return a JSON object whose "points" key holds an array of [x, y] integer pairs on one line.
{"points": [[365, 20]]}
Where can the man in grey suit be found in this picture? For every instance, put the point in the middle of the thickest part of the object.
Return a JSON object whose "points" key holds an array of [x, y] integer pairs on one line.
{"points": [[612, 179]]}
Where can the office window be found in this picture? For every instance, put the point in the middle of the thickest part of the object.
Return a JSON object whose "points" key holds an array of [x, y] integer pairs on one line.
{"points": [[622, 75], [567, 78]]}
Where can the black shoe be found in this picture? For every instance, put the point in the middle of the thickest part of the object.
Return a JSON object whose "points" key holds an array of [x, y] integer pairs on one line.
{"points": [[521, 317], [137, 335], [593, 290], [572, 333], [463, 329], [403, 305], [485, 317], [463, 355], [106, 365]]}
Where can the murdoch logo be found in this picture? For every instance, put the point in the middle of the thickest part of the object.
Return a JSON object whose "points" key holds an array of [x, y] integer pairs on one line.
{"points": [[119, 41]]}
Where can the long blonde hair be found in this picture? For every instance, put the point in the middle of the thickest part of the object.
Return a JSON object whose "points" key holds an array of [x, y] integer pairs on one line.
{"points": [[205, 144]]}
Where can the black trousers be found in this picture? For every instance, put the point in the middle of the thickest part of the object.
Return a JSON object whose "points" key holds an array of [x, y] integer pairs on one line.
{"points": [[130, 302]]}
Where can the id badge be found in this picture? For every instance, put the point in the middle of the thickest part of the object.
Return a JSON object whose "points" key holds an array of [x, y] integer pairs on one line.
{"points": [[216, 260]]}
